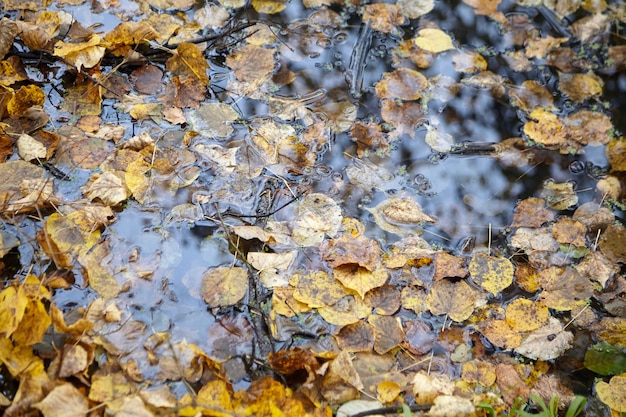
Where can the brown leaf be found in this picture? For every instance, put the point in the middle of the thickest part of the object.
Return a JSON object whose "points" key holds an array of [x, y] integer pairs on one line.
{"points": [[188, 61], [402, 84], [384, 17], [456, 299], [532, 212]]}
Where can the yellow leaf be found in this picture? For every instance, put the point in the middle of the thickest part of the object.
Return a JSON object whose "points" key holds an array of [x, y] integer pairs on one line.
{"points": [[400, 215], [387, 391], [545, 128], [63, 401], [492, 273], [189, 61], [478, 371], [346, 311], [224, 286], [33, 325], [525, 315], [106, 187], [81, 55], [456, 299], [25, 98], [100, 278], [360, 279], [612, 393], [579, 87], [317, 289], [13, 302], [433, 40], [269, 6]]}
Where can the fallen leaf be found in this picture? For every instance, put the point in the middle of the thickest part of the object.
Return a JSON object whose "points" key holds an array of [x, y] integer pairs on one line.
{"points": [[399, 215], [525, 315], [63, 401], [492, 273], [612, 393], [316, 216], [546, 343], [384, 17], [433, 40], [402, 84], [224, 286], [456, 299]]}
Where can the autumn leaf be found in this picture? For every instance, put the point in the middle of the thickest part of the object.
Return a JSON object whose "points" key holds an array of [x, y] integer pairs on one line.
{"points": [[612, 393], [317, 216], [83, 54], [456, 299], [492, 273], [547, 342], [545, 128], [188, 61], [400, 215], [403, 84], [384, 17], [433, 40], [224, 286]]}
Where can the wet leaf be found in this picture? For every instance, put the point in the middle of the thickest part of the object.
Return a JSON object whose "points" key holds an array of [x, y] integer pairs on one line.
{"points": [[480, 372], [500, 334], [589, 127], [438, 140], [356, 337], [406, 117], [427, 387], [525, 315], [433, 40], [251, 63], [188, 61], [492, 273], [456, 299], [348, 310], [100, 277], [224, 286], [317, 216], [317, 289], [388, 333], [545, 128], [532, 212], [274, 268], [531, 95], [415, 8], [468, 62], [564, 288], [546, 343], [570, 232], [127, 34], [13, 302], [612, 243], [605, 359], [559, 196], [611, 330], [360, 279], [612, 393], [108, 188], [269, 6], [400, 215], [26, 97], [579, 87], [83, 54], [383, 300], [384, 17], [403, 84]]}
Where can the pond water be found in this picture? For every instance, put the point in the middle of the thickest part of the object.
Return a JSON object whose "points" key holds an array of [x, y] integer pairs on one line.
{"points": [[472, 193]]}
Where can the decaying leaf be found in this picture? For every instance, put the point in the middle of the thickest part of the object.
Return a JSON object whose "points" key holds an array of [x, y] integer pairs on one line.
{"points": [[402, 84], [492, 273], [384, 17], [317, 216], [546, 343], [23, 187], [525, 315], [612, 393]]}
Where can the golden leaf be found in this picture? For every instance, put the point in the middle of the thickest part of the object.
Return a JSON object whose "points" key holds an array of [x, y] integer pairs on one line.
{"points": [[492, 273], [83, 54], [188, 61], [224, 286], [63, 401], [612, 393], [433, 40], [25, 98], [360, 279], [545, 128], [525, 315]]}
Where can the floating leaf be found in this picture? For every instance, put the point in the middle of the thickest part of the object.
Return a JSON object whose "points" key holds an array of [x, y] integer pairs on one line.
{"points": [[545, 128], [317, 215], [188, 61], [438, 140], [433, 40], [480, 372], [403, 84], [579, 87], [316, 289], [63, 400], [492, 273], [606, 359], [269, 6], [251, 63], [23, 99], [400, 215], [273, 267], [384, 17], [82, 54], [559, 196], [415, 8], [532, 212], [224, 286]]}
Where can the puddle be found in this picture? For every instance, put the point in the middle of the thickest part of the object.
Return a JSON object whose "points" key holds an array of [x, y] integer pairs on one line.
{"points": [[472, 196]]}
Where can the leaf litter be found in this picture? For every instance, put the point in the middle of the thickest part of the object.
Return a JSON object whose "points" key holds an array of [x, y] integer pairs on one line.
{"points": [[327, 278]]}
